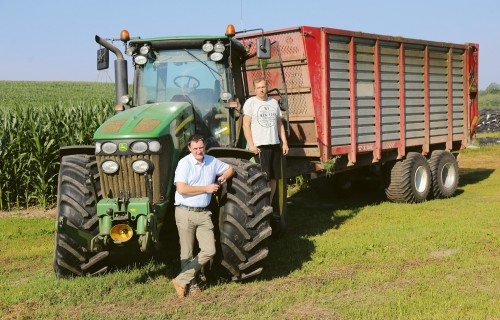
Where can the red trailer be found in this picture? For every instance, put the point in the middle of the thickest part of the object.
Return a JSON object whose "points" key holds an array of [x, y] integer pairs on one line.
{"points": [[365, 100]]}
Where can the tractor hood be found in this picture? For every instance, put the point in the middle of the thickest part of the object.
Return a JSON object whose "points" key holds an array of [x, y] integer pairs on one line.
{"points": [[147, 121]]}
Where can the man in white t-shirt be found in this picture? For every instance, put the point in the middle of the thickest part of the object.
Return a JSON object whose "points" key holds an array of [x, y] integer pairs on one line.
{"points": [[263, 131]]}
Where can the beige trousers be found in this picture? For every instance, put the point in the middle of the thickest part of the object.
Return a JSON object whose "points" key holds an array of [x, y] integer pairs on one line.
{"points": [[189, 225]]}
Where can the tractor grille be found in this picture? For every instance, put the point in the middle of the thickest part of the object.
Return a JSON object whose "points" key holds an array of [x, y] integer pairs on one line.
{"points": [[127, 183]]}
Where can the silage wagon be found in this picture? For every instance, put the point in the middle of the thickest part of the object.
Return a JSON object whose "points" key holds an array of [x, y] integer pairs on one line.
{"points": [[401, 106]]}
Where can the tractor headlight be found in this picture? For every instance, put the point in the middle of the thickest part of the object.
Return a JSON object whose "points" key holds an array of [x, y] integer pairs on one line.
{"points": [[225, 96], [124, 99], [140, 59], [219, 47], [207, 47], [109, 166], [109, 147], [97, 147], [139, 147], [141, 166], [130, 51], [154, 146], [216, 56], [144, 50]]}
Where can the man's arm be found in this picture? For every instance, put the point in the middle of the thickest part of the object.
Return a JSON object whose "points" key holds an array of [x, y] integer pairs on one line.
{"points": [[188, 190], [282, 132], [226, 175], [247, 121]]}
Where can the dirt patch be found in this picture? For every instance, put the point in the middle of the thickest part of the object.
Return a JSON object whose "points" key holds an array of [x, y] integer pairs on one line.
{"points": [[443, 253], [29, 213], [309, 310]]}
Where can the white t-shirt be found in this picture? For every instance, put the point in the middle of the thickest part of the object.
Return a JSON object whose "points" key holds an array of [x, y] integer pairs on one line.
{"points": [[264, 125]]}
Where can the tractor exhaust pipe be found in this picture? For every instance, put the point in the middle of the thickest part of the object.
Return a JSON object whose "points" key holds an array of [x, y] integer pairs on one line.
{"points": [[121, 78]]}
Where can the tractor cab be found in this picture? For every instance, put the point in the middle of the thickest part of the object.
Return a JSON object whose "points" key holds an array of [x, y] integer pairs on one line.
{"points": [[193, 70]]}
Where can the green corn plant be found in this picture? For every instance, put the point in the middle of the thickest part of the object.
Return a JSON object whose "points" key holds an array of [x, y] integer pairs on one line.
{"points": [[31, 135]]}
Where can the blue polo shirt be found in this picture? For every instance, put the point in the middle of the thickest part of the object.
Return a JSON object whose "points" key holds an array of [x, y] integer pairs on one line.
{"points": [[192, 173]]}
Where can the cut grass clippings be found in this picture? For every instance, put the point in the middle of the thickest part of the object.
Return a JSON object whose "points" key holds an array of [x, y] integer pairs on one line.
{"points": [[357, 257]]}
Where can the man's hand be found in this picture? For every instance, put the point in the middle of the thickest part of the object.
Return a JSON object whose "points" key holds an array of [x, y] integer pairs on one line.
{"points": [[213, 188], [254, 149], [222, 180], [285, 148]]}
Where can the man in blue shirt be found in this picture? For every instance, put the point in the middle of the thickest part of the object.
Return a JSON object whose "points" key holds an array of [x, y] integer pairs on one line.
{"points": [[195, 181]]}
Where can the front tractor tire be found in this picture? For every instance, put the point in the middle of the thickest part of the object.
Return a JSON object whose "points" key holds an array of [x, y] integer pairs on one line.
{"points": [[244, 222], [78, 193], [445, 175], [408, 180]]}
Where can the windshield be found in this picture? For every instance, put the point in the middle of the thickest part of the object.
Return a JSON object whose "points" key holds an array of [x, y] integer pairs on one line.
{"points": [[190, 76], [182, 75]]}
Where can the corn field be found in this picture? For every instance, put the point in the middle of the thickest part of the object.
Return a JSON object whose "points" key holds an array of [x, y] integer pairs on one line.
{"points": [[31, 133]]}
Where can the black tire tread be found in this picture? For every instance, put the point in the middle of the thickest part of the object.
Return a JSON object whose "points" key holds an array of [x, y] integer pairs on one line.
{"points": [[244, 221], [399, 181], [77, 206], [256, 258], [438, 191]]}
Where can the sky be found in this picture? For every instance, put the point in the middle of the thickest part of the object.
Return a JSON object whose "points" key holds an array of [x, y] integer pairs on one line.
{"points": [[51, 40]]}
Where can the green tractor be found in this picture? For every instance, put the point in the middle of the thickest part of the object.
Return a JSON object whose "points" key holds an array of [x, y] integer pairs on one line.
{"points": [[116, 197]]}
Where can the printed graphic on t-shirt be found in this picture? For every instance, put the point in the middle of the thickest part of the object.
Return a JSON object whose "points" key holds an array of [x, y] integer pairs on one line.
{"points": [[266, 116]]}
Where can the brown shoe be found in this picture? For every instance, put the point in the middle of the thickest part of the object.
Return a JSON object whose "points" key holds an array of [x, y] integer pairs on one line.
{"points": [[181, 291]]}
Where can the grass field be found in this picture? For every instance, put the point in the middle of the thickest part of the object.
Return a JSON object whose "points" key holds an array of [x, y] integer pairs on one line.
{"points": [[359, 257]]}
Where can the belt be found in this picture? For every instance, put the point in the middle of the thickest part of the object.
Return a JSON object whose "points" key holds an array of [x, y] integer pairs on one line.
{"points": [[196, 209]]}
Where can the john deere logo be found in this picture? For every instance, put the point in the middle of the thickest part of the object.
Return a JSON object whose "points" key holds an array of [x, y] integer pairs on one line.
{"points": [[122, 147]]}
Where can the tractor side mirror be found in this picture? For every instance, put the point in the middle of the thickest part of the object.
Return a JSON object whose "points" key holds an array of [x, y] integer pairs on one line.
{"points": [[263, 48], [102, 59]]}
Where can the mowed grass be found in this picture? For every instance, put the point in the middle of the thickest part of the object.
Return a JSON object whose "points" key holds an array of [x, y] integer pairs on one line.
{"points": [[358, 257]]}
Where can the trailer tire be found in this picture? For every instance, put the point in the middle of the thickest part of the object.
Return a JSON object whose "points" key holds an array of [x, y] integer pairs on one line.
{"points": [[243, 217], [408, 180], [445, 175], [77, 206]]}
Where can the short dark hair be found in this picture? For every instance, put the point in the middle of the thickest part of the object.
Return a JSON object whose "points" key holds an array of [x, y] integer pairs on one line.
{"points": [[195, 138]]}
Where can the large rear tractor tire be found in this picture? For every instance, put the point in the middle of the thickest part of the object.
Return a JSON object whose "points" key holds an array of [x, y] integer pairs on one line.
{"points": [[408, 180], [244, 222], [445, 175], [76, 204]]}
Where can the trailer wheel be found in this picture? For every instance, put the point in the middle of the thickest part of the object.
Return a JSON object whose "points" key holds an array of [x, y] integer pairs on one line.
{"points": [[445, 176], [244, 222], [76, 204], [408, 180]]}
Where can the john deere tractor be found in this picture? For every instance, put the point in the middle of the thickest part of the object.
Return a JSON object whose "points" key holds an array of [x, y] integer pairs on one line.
{"points": [[117, 195]]}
